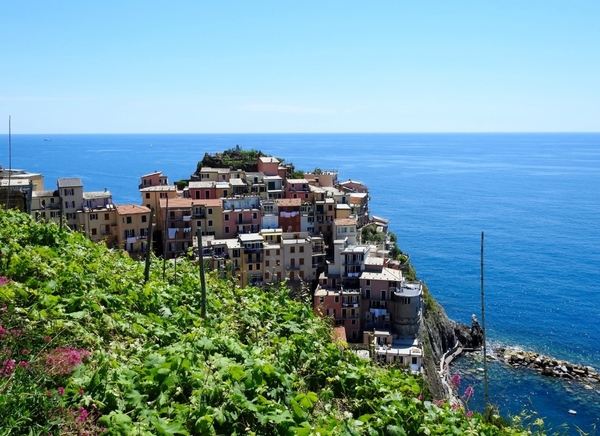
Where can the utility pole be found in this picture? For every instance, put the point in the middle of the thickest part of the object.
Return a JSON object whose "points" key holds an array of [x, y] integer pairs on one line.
{"points": [[201, 262], [149, 247], [485, 373]]}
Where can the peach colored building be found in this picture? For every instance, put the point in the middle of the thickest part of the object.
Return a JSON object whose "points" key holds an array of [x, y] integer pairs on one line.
{"points": [[132, 228]]}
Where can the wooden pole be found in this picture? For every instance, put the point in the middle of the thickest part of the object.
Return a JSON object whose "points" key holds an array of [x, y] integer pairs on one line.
{"points": [[149, 247], [165, 235], [201, 262], [485, 373]]}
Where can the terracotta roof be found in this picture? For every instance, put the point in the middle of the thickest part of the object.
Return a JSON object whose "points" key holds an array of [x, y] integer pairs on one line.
{"points": [[212, 202], [175, 202], [289, 202], [130, 209], [345, 222]]}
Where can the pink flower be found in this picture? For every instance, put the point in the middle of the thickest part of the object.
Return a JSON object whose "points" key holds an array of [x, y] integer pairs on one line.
{"points": [[455, 381], [26, 351], [440, 403], [83, 414], [64, 360], [23, 364], [8, 367], [3, 279], [60, 390], [469, 414], [80, 392], [47, 338], [468, 393]]}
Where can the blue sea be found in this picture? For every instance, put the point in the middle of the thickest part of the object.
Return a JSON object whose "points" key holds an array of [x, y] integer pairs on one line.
{"points": [[535, 196]]}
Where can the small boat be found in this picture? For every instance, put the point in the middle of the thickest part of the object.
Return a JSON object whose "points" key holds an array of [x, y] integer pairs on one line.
{"points": [[46, 139]]}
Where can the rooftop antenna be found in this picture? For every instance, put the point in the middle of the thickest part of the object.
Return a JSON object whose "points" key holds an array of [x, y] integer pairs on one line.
{"points": [[485, 373], [9, 165]]}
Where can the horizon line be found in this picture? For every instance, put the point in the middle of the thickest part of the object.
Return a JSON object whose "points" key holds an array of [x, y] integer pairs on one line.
{"points": [[321, 133]]}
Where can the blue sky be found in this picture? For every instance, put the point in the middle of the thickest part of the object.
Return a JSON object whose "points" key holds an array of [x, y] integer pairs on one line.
{"points": [[310, 66]]}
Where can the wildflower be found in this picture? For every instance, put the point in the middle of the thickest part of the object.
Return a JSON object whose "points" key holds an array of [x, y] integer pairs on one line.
{"points": [[60, 390], [16, 333], [3, 279], [23, 364], [455, 406], [48, 393], [468, 393], [47, 338], [83, 414], [2, 332], [26, 351], [469, 414], [63, 360], [80, 392], [440, 403], [8, 366], [455, 381]]}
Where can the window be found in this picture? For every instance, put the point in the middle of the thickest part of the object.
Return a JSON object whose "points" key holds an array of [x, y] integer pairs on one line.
{"points": [[353, 322], [258, 267], [368, 282], [267, 276], [53, 214], [414, 360], [210, 223], [301, 249], [128, 220], [147, 195], [163, 195], [226, 229], [336, 299], [254, 215], [129, 233], [93, 216], [301, 261], [250, 267], [267, 263], [210, 211], [94, 232], [292, 249], [144, 218], [277, 252], [143, 233], [106, 216], [199, 224], [226, 217]]}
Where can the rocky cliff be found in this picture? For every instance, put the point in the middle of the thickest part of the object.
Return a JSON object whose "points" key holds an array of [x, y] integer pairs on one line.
{"points": [[440, 334]]}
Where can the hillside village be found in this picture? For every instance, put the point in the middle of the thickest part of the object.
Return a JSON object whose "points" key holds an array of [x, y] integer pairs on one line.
{"points": [[261, 225]]}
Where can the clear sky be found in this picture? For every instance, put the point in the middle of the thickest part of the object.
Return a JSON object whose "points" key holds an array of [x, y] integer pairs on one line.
{"points": [[299, 66]]}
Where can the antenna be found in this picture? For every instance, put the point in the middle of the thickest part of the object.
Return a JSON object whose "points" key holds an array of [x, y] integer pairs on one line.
{"points": [[485, 373]]}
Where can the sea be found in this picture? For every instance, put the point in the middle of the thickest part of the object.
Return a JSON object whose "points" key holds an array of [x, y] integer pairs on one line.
{"points": [[535, 197]]}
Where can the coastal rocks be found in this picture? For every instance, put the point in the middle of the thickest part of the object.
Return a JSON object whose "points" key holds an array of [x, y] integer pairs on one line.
{"points": [[548, 366], [469, 337]]}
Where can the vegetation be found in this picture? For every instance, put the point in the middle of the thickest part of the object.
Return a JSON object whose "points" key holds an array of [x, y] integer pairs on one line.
{"points": [[87, 347], [236, 157]]}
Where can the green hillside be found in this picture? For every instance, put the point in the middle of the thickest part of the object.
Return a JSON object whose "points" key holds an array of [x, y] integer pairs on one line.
{"points": [[87, 348]]}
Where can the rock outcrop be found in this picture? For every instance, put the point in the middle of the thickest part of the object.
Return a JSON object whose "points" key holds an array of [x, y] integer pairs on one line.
{"points": [[440, 334], [547, 366]]}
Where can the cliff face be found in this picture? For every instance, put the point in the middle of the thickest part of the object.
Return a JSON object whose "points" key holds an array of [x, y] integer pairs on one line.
{"points": [[439, 334]]}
